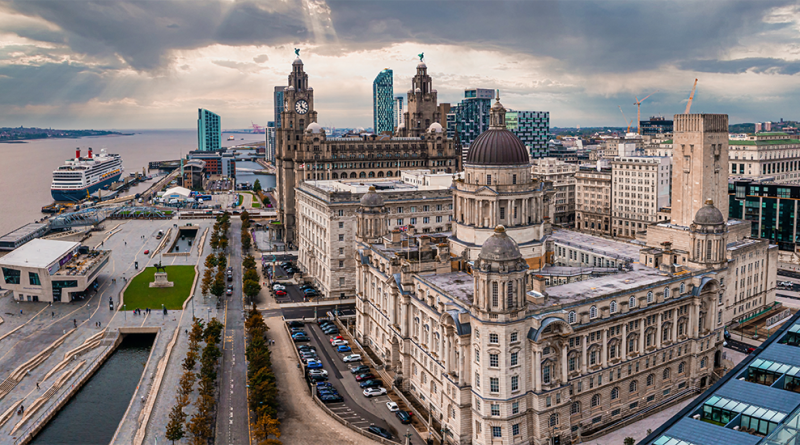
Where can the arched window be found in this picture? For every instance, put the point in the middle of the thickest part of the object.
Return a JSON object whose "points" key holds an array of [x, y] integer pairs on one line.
{"points": [[650, 297], [553, 419], [576, 408], [593, 312], [666, 292], [334, 175], [613, 307], [681, 367], [595, 400], [572, 317], [371, 174], [632, 302], [389, 174], [633, 386], [353, 175], [683, 287], [665, 376], [362, 174], [615, 394], [651, 379]]}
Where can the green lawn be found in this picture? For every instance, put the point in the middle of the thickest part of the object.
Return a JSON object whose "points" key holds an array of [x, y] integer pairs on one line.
{"points": [[140, 295], [255, 205]]}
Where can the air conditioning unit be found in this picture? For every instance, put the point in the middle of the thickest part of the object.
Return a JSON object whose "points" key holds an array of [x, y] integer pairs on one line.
{"points": [[696, 417], [736, 428]]}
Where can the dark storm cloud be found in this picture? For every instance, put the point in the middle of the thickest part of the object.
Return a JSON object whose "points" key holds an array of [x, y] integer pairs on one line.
{"points": [[738, 66], [49, 84]]}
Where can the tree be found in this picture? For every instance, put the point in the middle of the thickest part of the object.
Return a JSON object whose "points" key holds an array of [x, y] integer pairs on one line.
{"points": [[200, 426], [211, 260], [257, 186], [251, 288], [247, 242], [223, 244], [222, 260], [245, 217], [218, 286], [175, 425], [249, 262], [190, 360], [250, 274], [205, 285], [186, 383], [214, 240], [629, 441], [264, 428]]}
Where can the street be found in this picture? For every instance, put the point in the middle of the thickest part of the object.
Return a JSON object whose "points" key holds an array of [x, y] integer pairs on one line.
{"points": [[233, 413]]}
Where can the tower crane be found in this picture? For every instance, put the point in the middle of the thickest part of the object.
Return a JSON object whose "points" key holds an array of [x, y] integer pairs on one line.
{"points": [[691, 96], [638, 104], [626, 120]]}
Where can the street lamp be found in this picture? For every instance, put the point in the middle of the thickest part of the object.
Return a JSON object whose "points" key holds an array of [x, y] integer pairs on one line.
{"points": [[125, 312]]}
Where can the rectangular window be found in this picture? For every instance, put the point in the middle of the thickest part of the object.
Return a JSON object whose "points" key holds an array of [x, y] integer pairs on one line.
{"points": [[515, 427], [400, 210], [615, 412], [495, 409], [513, 179], [341, 212], [425, 220], [548, 401], [497, 431], [488, 179], [514, 358], [341, 251], [400, 221], [494, 384], [502, 213], [495, 301], [413, 220], [633, 405], [12, 276], [494, 360], [438, 219], [341, 263], [514, 383], [515, 408], [666, 392], [477, 380], [341, 237], [341, 281], [494, 338], [33, 278]]}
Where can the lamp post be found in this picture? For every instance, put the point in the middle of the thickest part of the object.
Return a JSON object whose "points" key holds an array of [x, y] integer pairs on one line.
{"points": [[125, 312], [192, 306]]}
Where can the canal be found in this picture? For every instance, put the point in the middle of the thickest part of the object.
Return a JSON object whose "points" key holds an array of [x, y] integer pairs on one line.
{"points": [[93, 414]]}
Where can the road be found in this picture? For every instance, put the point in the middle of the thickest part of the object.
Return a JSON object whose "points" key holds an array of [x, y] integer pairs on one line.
{"points": [[296, 313], [233, 413]]}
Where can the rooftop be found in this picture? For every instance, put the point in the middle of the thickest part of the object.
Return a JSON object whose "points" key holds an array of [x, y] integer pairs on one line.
{"points": [[600, 246], [564, 271], [603, 286], [22, 232], [459, 285], [767, 142], [38, 253]]}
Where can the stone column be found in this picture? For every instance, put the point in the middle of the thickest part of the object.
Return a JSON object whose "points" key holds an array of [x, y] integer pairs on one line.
{"points": [[584, 341], [658, 330], [564, 378], [675, 329], [624, 341], [641, 337], [696, 317], [537, 370], [605, 348]]}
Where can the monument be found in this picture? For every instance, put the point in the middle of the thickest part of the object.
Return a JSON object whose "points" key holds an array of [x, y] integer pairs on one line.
{"points": [[161, 277]]}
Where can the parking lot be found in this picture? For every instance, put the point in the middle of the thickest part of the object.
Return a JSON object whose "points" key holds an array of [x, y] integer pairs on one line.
{"points": [[357, 409]]}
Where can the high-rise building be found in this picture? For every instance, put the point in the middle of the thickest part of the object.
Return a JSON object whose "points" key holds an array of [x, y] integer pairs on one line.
{"points": [[270, 147], [593, 199], [209, 133], [641, 187], [383, 102], [398, 111], [657, 125], [765, 156], [532, 128], [562, 175], [470, 117], [278, 105]]}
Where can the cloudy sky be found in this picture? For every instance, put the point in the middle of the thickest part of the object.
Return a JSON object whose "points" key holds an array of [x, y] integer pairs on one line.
{"points": [[151, 64]]}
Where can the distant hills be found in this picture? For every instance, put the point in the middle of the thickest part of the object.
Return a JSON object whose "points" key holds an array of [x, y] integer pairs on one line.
{"points": [[21, 134]]}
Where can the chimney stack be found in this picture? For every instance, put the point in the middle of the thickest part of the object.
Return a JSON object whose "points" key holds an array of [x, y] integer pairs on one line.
{"points": [[90, 152], [77, 153]]}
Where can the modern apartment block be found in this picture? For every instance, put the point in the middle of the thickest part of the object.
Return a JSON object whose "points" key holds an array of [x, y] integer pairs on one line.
{"points": [[470, 117], [532, 128], [641, 186], [765, 155], [278, 104], [593, 199], [209, 131], [269, 152], [562, 175], [398, 111], [770, 207], [657, 125], [383, 107]]}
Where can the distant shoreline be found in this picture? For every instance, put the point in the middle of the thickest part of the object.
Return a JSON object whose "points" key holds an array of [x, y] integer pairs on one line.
{"points": [[25, 141]]}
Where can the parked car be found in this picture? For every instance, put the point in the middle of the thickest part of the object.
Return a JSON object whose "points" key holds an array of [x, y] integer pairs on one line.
{"points": [[314, 364], [374, 429], [296, 330], [317, 372], [278, 286], [370, 383], [405, 419], [296, 324], [324, 385], [300, 332], [392, 406], [323, 321], [306, 286], [363, 377], [343, 348], [311, 293], [331, 331], [338, 337], [280, 293], [339, 342], [229, 291], [300, 337], [359, 369], [304, 348], [317, 378], [147, 252], [332, 399], [372, 392], [352, 358]]}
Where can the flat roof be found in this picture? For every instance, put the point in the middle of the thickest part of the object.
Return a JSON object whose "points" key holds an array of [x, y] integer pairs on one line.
{"points": [[38, 253], [604, 286], [22, 232], [460, 285], [596, 244]]}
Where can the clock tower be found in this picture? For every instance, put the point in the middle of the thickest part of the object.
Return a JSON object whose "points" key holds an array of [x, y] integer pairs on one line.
{"points": [[298, 112]]}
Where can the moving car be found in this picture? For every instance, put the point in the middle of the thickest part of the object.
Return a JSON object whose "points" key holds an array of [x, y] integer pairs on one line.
{"points": [[370, 384], [405, 419], [343, 348], [392, 406], [372, 392], [352, 358], [374, 429], [361, 369]]}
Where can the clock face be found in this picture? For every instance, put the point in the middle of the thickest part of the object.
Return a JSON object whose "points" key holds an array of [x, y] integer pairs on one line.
{"points": [[301, 106]]}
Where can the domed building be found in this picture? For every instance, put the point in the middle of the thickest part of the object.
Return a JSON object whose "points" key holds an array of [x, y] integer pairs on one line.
{"points": [[497, 188]]}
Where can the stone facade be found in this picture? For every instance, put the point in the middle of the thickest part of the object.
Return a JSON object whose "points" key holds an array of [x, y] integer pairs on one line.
{"points": [[766, 155], [304, 152], [562, 175], [327, 224], [593, 200], [641, 186]]}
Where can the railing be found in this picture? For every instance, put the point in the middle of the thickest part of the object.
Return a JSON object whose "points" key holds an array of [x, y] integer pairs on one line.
{"points": [[26, 435]]}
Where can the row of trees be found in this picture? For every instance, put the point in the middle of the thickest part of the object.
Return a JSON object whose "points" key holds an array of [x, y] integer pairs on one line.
{"points": [[261, 380], [214, 276], [201, 424], [250, 278]]}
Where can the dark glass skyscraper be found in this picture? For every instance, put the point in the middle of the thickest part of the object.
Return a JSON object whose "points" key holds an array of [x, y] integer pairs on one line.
{"points": [[383, 102], [278, 98], [209, 134]]}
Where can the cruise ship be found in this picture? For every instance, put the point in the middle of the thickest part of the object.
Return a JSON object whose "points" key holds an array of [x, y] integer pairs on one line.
{"points": [[83, 176]]}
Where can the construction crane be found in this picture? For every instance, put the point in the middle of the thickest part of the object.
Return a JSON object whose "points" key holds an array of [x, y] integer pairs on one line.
{"points": [[257, 128], [638, 104], [626, 120], [691, 96]]}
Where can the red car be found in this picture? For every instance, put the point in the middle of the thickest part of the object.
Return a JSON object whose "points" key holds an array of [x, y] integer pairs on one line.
{"points": [[146, 252], [338, 337], [363, 377], [280, 293]]}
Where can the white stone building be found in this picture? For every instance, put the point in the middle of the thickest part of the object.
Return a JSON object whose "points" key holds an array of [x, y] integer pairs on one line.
{"points": [[562, 175], [641, 186]]}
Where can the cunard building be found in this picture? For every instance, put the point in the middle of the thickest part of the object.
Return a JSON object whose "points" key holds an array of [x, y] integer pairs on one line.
{"points": [[486, 361], [304, 152]]}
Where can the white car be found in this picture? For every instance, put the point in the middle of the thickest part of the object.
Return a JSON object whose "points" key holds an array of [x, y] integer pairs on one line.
{"points": [[321, 372], [278, 287], [352, 358], [392, 407], [339, 342], [372, 392]]}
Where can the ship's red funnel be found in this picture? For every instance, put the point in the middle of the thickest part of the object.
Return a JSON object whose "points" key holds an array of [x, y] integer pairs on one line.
{"points": [[90, 152], [78, 153]]}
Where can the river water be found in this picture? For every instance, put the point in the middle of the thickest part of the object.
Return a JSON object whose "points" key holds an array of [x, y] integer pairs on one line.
{"points": [[93, 414], [27, 169]]}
